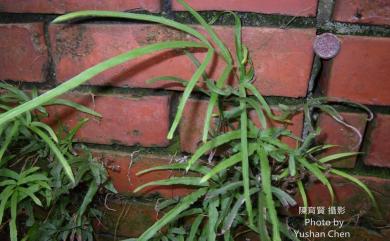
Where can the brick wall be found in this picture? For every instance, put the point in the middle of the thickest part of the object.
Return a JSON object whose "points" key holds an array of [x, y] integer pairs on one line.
{"points": [[136, 115]]}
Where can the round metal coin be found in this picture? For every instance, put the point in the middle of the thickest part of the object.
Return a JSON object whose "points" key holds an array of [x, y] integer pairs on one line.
{"points": [[326, 45]]}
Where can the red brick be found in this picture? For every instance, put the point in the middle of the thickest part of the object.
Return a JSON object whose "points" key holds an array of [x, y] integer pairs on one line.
{"points": [[78, 47], [123, 167], [362, 11], [333, 132], [126, 120], [191, 127], [360, 71], [354, 199], [286, 7], [63, 6], [126, 219], [23, 52], [282, 58], [379, 142]]}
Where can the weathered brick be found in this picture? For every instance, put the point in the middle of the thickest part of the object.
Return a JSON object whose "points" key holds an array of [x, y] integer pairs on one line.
{"points": [[126, 219], [282, 58], [286, 7], [379, 142], [333, 132], [362, 11], [360, 71], [123, 168], [126, 120], [78, 47], [354, 199], [64, 6], [191, 127], [23, 52]]}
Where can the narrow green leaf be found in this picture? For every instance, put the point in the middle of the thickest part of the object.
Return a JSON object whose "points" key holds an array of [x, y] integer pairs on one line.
{"points": [[224, 51], [56, 151], [175, 79], [232, 113], [250, 73], [186, 94], [5, 172], [31, 195], [10, 135], [5, 195], [194, 228], [244, 152], [317, 172], [234, 211], [213, 88], [227, 236], [261, 223], [308, 141], [225, 54], [190, 212], [213, 218], [291, 165], [285, 199], [7, 183], [240, 51], [269, 201], [188, 181], [16, 91], [228, 162], [357, 182], [164, 204], [245, 57], [330, 110], [92, 189], [260, 114], [167, 78], [320, 148], [131, 16], [177, 166], [337, 156], [183, 205], [213, 100], [69, 137], [196, 63], [46, 128], [302, 191], [14, 213], [223, 165], [226, 203], [262, 101], [91, 72], [74, 105], [28, 171], [224, 189], [211, 144]]}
